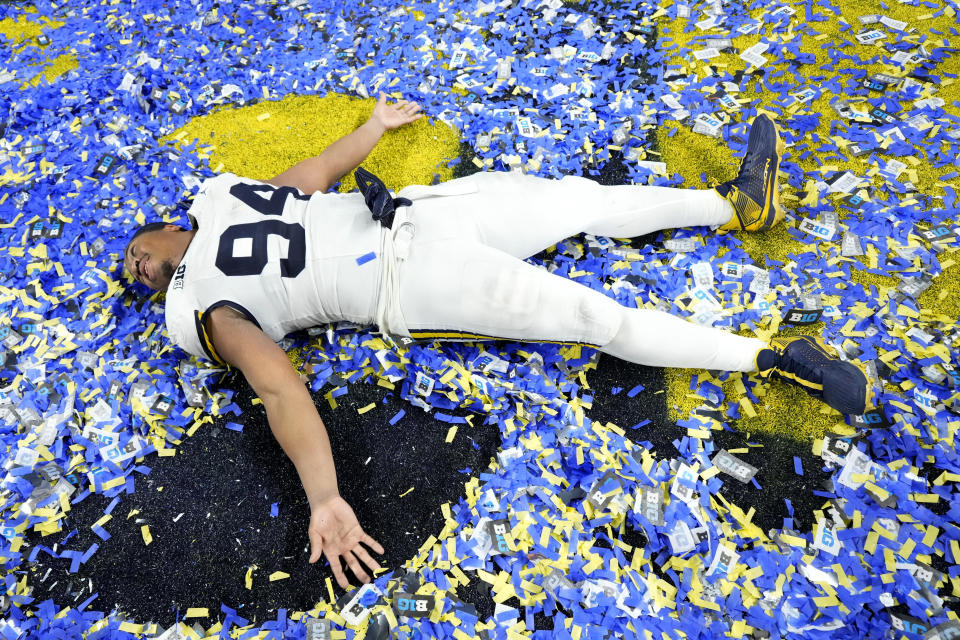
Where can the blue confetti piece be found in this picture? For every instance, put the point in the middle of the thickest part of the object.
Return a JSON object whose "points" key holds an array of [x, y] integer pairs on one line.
{"points": [[367, 257], [642, 423], [101, 532], [111, 506], [797, 466], [83, 605], [637, 389], [397, 417], [233, 426], [274, 510]]}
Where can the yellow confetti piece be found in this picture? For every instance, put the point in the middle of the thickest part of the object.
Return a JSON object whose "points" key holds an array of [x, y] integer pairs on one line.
{"points": [[363, 410], [147, 536], [595, 563], [871, 545], [709, 473], [278, 575], [451, 433], [248, 578], [197, 612], [102, 521], [406, 492], [330, 399], [793, 540]]}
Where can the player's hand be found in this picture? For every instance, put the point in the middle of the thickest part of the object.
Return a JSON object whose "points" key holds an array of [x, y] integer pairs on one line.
{"points": [[391, 116], [335, 532]]}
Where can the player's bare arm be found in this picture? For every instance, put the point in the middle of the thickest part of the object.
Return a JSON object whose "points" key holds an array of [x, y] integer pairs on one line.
{"points": [[298, 428], [320, 172]]}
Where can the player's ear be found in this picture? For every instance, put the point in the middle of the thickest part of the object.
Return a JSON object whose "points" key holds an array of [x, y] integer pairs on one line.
{"points": [[173, 227]]}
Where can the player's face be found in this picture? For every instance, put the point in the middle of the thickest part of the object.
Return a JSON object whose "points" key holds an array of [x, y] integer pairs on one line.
{"points": [[150, 257]]}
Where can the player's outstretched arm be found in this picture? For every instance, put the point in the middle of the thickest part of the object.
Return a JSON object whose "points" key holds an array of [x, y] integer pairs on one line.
{"points": [[298, 428], [320, 172]]}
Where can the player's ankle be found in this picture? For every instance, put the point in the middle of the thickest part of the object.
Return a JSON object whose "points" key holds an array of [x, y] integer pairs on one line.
{"points": [[765, 361], [723, 209]]}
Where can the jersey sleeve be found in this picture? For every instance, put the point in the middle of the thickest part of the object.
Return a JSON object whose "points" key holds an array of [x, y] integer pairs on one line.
{"points": [[213, 193], [187, 329]]}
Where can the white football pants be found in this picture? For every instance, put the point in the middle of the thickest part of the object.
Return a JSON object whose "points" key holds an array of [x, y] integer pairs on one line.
{"points": [[464, 275]]}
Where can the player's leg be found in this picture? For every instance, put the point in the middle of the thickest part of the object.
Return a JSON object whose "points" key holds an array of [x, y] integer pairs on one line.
{"points": [[471, 291], [802, 361], [523, 214], [450, 290]]}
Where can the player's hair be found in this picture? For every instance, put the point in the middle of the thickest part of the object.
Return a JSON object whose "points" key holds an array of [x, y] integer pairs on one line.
{"points": [[150, 226]]}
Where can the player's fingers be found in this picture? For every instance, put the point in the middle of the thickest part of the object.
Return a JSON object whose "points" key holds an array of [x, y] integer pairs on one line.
{"points": [[356, 568], [413, 107], [365, 558], [370, 542], [316, 545], [337, 570], [383, 98]]}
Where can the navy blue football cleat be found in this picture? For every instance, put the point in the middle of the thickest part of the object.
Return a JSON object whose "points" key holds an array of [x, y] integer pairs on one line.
{"points": [[755, 193], [807, 363]]}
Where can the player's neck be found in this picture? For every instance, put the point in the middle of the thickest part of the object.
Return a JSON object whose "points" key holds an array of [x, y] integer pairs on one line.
{"points": [[183, 240], [185, 243]]}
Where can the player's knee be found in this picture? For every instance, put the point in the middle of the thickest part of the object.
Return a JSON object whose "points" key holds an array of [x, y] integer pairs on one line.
{"points": [[602, 318]]}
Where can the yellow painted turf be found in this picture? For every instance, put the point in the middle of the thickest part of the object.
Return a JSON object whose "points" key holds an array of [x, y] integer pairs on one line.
{"points": [[241, 141], [19, 34]]}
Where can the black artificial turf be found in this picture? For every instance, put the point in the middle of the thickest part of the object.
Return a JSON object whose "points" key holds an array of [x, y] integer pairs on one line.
{"points": [[224, 483]]}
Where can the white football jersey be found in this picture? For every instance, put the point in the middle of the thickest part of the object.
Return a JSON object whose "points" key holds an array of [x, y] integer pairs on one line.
{"points": [[285, 260]]}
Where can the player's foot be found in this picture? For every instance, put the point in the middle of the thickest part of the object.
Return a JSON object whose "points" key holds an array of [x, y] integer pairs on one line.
{"points": [[755, 193], [807, 363]]}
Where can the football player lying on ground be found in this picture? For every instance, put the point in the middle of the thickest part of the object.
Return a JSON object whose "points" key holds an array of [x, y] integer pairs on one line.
{"points": [[439, 262]]}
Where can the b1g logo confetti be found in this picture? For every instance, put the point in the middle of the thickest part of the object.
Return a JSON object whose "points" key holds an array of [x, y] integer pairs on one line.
{"points": [[412, 605], [871, 420], [802, 317]]}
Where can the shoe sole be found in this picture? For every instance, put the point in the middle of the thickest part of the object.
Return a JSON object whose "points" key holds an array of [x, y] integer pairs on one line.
{"points": [[778, 213], [771, 201]]}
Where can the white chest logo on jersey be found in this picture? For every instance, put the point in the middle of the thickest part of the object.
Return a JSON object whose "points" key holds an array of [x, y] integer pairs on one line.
{"points": [[178, 276]]}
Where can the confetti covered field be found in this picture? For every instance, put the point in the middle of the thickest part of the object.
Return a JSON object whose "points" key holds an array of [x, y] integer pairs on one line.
{"points": [[596, 500]]}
